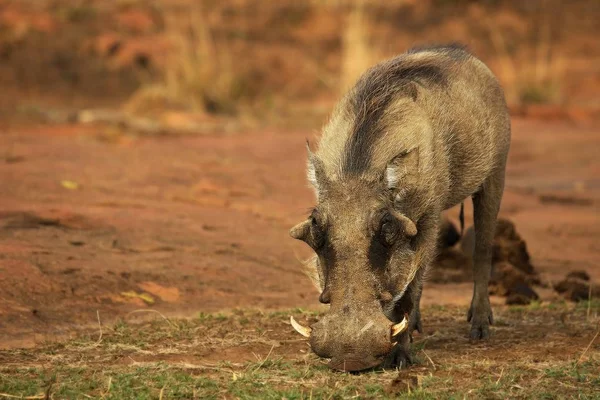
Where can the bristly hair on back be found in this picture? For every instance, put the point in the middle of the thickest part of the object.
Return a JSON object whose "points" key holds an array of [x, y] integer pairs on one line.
{"points": [[369, 98], [456, 51]]}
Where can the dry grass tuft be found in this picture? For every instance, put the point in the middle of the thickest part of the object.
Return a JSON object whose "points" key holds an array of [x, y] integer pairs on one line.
{"points": [[357, 51], [536, 77], [198, 75]]}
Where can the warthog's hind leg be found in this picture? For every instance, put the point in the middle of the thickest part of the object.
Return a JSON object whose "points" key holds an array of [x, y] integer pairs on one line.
{"points": [[486, 204]]}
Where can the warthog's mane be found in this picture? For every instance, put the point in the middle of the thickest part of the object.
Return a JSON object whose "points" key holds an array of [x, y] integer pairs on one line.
{"points": [[379, 86]]}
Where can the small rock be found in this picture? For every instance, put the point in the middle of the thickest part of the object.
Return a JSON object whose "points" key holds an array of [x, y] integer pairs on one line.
{"points": [[524, 290], [511, 261], [517, 299], [508, 246], [579, 275], [576, 289], [513, 251], [453, 259]]}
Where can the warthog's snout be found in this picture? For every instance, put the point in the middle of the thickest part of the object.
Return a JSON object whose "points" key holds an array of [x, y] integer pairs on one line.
{"points": [[352, 342]]}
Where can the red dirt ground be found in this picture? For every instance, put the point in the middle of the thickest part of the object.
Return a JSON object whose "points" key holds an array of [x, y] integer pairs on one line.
{"points": [[200, 223]]}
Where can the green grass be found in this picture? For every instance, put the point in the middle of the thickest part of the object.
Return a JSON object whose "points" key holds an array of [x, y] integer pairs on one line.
{"points": [[249, 354]]}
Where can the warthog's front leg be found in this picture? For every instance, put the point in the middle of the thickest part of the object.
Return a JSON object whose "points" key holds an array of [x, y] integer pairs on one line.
{"points": [[410, 303], [486, 204], [400, 356]]}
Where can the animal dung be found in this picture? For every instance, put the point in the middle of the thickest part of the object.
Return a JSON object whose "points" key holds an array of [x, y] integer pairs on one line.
{"points": [[509, 246], [513, 274], [512, 283]]}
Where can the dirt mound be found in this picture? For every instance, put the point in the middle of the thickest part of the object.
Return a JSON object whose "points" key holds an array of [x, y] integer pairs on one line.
{"points": [[515, 285], [512, 273], [508, 246], [577, 287], [451, 266]]}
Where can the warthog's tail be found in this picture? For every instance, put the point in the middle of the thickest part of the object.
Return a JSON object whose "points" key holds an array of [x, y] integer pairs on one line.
{"points": [[461, 218]]}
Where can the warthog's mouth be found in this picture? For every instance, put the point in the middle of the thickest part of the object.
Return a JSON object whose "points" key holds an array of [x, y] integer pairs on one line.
{"points": [[351, 363], [356, 362]]}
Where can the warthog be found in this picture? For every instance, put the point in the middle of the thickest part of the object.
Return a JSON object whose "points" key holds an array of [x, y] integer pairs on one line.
{"points": [[416, 135]]}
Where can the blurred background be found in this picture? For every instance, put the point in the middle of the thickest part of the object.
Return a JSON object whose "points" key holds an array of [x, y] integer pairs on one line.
{"points": [[152, 161], [276, 63], [152, 153]]}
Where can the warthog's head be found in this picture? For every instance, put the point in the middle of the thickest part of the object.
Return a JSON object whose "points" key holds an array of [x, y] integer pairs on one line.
{"points": [[365, 260]]}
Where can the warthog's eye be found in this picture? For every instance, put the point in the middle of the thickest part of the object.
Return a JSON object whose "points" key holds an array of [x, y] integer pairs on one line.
{"points": [[388, 232], [316, 231]]}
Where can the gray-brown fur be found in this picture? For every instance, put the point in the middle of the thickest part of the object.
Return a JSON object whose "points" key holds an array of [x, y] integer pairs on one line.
{"points": [[370, 98], [415, 136]]}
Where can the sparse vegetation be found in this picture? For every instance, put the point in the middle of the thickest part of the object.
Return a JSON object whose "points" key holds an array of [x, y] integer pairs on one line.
{"points": [[252, 354], [198, 74], [357, 50], [77, 13], [535, 75], [93, 213]]}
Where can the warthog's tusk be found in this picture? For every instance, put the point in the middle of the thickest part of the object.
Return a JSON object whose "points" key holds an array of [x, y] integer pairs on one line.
{"points": [[399, 327], [304, 331]]}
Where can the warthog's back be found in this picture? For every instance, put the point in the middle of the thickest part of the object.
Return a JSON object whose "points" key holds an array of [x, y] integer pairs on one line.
{"points": [[441, 100]]}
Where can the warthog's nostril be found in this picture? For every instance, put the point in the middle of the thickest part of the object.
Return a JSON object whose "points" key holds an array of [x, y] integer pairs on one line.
{"points": [[325, 297]]}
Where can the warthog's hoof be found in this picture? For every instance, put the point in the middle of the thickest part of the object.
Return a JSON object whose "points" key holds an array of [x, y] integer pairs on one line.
{"points": [[480, 319], [399, 357]]}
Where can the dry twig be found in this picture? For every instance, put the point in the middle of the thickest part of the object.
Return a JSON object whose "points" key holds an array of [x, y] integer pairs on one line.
{"points": [[588, 347]]}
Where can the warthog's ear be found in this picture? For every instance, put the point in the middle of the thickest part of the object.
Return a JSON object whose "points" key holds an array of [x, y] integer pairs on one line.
{"points": [[315, 171], [301, 231], [402, 169]]}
